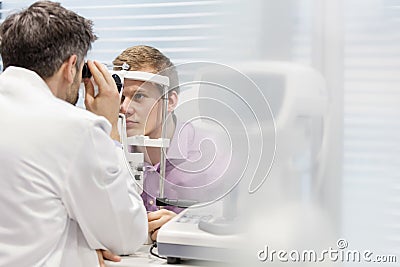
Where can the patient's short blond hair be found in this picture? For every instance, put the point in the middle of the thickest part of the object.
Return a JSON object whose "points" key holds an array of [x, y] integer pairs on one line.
{"points": [[143, 57]]}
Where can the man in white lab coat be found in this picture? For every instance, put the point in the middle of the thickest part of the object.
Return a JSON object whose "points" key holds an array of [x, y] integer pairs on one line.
{"points": [[64, 194]]}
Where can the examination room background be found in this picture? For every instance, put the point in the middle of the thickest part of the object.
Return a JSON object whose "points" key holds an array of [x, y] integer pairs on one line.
{"points": [[354, 44]]}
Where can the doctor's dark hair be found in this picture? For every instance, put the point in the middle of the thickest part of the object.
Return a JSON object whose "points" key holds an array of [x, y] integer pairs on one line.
{"points": [[143, 57], [43, 36]]}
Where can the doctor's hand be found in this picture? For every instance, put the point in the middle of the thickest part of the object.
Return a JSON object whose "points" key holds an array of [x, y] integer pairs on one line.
{"points": [[105, 254], [106, 102], [157, 219]]}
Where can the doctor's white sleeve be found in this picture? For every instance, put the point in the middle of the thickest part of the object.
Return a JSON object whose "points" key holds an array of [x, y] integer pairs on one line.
{"points": [[101, 196]]}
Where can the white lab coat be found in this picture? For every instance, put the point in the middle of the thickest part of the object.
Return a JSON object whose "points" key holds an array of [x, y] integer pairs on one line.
{"points": [[63, 190]]}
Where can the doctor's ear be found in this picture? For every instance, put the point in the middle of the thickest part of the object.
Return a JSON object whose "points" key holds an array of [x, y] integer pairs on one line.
{"points": [[70, 68], [172, 101]]}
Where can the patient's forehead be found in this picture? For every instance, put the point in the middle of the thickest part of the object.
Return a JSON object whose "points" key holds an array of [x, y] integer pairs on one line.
{"points": [[133, 86]]}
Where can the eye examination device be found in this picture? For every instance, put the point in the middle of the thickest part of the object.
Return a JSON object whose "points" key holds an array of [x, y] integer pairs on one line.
{"points": [[276, 105], [134, 159], [277, 131], [86, 71]]}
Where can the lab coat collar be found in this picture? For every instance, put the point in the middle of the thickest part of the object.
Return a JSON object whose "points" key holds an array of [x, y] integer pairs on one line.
{"points": [[15, 73]]}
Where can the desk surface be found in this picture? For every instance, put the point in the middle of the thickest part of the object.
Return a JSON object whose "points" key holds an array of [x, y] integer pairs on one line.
{"points": [[142, 258]]}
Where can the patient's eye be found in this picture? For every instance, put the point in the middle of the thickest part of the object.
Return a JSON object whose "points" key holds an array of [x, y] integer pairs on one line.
{"points": [[138, 96]]}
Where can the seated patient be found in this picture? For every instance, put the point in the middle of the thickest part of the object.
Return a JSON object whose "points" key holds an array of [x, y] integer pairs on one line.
{"points": [[189, 160]]}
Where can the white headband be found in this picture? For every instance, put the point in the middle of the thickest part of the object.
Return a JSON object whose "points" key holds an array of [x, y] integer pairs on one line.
{"points": [[142, 76]]}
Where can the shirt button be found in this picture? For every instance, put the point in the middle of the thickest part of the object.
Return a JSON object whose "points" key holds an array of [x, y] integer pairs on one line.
{"points": [[151, 202]]}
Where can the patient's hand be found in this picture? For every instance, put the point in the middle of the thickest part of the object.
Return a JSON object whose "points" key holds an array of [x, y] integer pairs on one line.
{"points": [[157, 219], [105, 254]]}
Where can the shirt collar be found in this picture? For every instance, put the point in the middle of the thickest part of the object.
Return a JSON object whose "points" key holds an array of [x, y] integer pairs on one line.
{"points": [[179, 146]]}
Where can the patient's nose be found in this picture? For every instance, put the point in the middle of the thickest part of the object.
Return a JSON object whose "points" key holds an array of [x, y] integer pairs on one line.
{"points": [[125, 108]]}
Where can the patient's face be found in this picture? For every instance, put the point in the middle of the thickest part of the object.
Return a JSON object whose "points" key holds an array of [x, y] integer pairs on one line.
{"points": [[142, 107]]}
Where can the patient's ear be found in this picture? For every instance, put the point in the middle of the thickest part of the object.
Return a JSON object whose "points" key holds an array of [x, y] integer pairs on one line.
{"points": [[172, 101], [69, 68]]}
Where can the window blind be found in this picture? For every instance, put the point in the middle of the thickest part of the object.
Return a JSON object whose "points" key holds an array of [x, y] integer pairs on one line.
{"points": [[370, 185], [371, 123], [184, 30]]}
